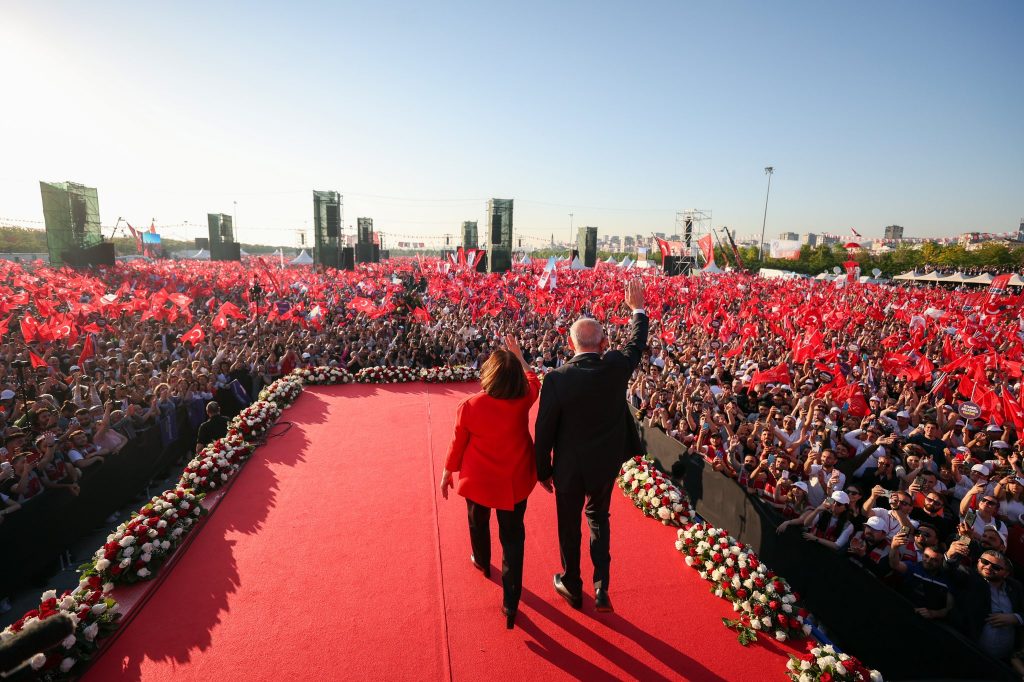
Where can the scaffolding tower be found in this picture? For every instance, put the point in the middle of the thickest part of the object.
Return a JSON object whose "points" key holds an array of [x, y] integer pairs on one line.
{"points": [[691, 225]]}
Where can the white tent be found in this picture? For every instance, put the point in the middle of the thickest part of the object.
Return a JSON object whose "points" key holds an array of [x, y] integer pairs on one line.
{"points": [[576, 264], [711, 269], [611, 259], [526, 260], [302, 259], [626, 262], [201, 254], [1016, 281], [983, 278], [911, 275]]}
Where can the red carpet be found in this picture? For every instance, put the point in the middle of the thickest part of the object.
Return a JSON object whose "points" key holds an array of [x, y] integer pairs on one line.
{"points": [[333, 557]]}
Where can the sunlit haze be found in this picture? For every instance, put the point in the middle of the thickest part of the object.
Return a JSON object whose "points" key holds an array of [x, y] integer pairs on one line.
{"points": [[621, 114]]}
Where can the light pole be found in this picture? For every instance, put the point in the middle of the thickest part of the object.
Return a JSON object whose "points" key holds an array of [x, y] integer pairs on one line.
{"points": [[768, 170], [234, 219], [570, 233]]}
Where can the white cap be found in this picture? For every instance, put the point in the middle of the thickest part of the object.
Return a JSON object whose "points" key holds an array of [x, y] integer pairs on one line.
{"points": [[904, 414], [74, 368], [993, 428], [875, 523], [1001, 444], [801, 484], [6, 394], [981, 469], [841, 497]]}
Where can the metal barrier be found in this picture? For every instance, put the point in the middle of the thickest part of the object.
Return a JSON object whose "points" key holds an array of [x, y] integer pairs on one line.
{"points": [[863, 616]]}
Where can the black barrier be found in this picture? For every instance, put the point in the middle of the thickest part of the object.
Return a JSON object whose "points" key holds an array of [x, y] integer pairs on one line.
{"points": [[862, 615], [34, 538]]}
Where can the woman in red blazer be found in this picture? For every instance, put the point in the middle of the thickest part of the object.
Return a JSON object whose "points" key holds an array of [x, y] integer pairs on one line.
{"points": [[493, 452]]}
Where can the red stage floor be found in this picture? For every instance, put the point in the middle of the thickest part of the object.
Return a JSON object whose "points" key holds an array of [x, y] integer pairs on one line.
{"points": [[333, 557]]}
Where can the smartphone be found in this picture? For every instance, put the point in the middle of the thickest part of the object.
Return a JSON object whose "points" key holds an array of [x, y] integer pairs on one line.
{"points": [[969, 518], [785, 474], [771, 459]]}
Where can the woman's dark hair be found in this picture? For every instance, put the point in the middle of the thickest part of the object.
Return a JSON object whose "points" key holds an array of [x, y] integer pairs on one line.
{"points": [[502, 376]]}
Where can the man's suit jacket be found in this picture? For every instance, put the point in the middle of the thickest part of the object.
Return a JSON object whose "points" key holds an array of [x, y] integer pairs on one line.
{"points": [[974, 600], [583, 414]]}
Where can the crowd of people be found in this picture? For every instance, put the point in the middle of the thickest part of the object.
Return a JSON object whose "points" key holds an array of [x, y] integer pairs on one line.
{"points": [[878, 421]]}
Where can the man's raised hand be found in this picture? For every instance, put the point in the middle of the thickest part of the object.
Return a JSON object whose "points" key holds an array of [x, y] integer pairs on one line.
{"points": [[634, 294]]}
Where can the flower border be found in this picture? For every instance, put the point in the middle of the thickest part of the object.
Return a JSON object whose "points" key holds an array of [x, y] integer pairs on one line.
{"points": [[763, 600]]}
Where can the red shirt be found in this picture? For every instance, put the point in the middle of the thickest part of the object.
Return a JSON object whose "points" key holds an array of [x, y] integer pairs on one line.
{"points": [[492, 448]]}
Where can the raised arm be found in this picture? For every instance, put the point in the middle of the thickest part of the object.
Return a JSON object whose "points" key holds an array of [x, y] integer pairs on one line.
{"points": [[634, 298]]}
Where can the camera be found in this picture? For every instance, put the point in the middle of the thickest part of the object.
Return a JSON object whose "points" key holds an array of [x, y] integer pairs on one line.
{"points": [[19, 364]]}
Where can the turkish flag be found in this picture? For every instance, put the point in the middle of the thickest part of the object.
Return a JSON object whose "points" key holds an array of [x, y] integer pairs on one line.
{"points": [[776, 375], [362, 305], [29, 328], [707, 247], [1013, 411], [87, 351], [663, 246], [858, 407], [36, 361], [195, 335], [420, 313]]}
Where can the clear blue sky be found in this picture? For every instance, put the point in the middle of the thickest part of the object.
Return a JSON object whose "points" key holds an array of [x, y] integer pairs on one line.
{"points": [[872, 113]]}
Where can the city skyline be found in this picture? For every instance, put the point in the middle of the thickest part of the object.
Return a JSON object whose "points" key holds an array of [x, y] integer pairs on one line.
{"points": [[871, 116]]}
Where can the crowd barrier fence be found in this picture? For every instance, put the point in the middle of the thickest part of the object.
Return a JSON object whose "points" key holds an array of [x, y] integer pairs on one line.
{"points": [[862, 615], [34, 538]]}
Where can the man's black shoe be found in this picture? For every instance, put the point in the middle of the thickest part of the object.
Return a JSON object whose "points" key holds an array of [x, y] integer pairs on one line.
{"points": [[510, 616], [601, 602], [574, 600]]}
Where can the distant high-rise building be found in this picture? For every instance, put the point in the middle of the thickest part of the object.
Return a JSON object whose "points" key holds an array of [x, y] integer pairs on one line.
{"points": [[1020, 231], [629, 241], [789, 236], [894, 232], [810, 239]]}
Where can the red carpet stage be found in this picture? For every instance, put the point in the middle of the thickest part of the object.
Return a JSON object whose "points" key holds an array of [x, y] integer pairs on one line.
{"points": [[334, 557]]}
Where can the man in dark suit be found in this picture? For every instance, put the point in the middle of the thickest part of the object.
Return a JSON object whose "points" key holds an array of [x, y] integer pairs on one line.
{"points": [[215, 426], [583, 417], [991, 604]]}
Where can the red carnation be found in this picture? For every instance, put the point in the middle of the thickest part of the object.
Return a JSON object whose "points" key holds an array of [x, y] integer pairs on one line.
{"points": [[758, 610], [741, 593], [116, 569], [826, 677]]}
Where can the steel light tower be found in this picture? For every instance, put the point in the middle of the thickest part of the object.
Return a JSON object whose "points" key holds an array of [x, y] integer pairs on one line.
{"points": [[768, 170]]}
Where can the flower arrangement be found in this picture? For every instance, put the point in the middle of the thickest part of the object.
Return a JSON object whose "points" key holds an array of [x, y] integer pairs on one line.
{"points": [[216, 464], [254, 421], [447, 375], [387, 375], [653, 493], [137, 548], [282, 392], [824, 664], [323, 375], [763, 599], [94, 614]]}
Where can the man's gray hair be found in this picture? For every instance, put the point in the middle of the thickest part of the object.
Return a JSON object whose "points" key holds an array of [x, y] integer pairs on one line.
{"points": [[586, 334]]}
